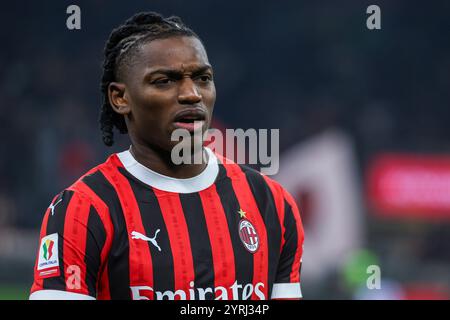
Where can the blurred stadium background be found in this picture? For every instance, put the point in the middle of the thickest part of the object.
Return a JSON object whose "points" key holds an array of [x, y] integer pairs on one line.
{"points": [[363, 118]]}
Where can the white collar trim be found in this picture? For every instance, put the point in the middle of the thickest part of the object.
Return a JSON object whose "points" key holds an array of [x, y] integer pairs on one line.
{"points": [[195, 184]]}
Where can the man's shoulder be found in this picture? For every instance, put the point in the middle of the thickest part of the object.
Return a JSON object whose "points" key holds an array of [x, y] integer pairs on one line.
{"points": [[276, 188], [260, 180], [93, 183]]}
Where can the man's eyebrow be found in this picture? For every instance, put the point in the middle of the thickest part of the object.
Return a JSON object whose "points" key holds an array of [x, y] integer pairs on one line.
{"points": [[178, 72]]}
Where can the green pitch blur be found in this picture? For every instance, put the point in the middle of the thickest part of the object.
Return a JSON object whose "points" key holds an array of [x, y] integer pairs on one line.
{"points": [[14, 292]]}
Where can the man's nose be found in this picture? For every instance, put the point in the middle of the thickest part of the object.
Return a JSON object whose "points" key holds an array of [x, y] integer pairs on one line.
{"points": [[188, 92]]}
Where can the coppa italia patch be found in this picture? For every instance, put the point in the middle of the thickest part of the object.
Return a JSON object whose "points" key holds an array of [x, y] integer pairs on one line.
{"points": [[48, 263]]}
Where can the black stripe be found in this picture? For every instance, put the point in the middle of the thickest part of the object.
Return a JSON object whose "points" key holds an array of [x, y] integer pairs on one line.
{"points": [[95, 240], [118, 258], [266, 205], [200, 242], [55, 224], [290, 246], [152, 219], [243, 258]]}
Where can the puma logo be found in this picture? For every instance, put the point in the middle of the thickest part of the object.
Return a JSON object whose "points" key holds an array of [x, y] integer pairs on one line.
{"points": [[139, 236], [53, 205]]}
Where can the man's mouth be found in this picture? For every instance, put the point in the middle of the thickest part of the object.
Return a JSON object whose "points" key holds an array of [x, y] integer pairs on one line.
{"points": [[190, 119]]}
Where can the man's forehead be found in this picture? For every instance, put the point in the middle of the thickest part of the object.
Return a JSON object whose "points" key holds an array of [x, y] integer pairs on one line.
{"points": [[174, 53], [177, 68]]}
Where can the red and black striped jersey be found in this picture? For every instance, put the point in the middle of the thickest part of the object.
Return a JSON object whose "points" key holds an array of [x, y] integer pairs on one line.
{"points": [[123, 231]]}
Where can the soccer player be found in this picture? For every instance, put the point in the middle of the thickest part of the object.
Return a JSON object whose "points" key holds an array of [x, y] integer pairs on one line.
{"points": [[140, 227]]}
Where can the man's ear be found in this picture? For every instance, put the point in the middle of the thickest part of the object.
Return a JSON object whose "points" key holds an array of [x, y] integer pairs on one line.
{"points": [[118, 98]]}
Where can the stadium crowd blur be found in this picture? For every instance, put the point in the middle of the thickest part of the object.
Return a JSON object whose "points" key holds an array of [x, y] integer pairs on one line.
{"points": [[312, 70]]}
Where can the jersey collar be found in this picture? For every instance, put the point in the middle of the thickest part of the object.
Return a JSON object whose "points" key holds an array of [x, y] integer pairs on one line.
{"points": [[165, 183]]}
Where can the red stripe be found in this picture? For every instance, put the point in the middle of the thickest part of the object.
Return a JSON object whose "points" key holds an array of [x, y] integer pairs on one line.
{"points": [[74, 244], [277, 194], [173, 215], [140, 260], [219, 235], [38, 283], [103, 212], [246, 234], [247, 203], [295, 273]]}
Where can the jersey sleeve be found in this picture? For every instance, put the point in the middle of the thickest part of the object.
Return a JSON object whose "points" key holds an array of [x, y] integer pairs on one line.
{"points": [[287, 281], [71, 251]]}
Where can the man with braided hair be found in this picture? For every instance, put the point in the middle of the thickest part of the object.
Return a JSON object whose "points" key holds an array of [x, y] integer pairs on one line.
{"points": [[139, 226]]}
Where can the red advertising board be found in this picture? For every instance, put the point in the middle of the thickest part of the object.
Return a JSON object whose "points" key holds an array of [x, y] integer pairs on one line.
{"points": [[409, 185]]}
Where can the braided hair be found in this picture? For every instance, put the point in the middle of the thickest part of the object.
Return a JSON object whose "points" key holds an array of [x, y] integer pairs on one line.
{"points": [[120, 49]]}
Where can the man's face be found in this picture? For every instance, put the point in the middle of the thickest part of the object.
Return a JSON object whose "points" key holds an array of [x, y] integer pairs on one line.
{"points": [[167, 86]]}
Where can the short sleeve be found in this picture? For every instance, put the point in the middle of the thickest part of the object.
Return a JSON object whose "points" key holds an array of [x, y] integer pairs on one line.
{"points": [[69, 258], [287, 281]]}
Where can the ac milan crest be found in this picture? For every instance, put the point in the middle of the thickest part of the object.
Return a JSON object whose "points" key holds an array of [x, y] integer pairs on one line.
{"points": [[248, 235]]}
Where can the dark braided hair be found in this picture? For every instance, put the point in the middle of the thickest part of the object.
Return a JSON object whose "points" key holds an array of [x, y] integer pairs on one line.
{"points": [[120, 49]]}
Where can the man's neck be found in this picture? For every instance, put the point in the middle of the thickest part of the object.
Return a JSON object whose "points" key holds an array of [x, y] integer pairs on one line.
{"points": [[162, 163]]}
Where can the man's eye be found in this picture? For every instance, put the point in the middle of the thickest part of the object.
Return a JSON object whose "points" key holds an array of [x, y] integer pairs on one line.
{"points": [[162, 81], [205, 78]]}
